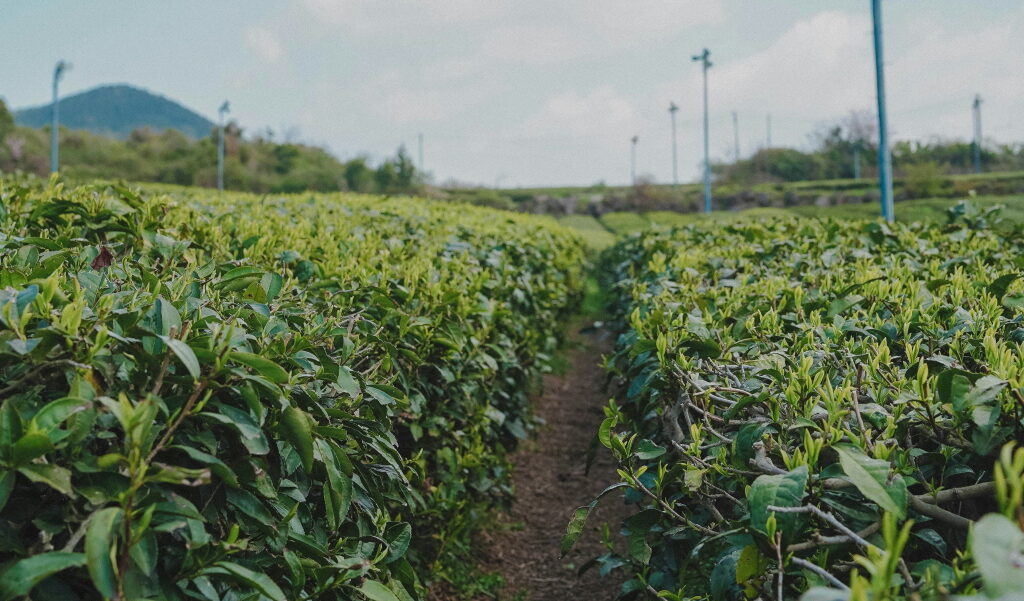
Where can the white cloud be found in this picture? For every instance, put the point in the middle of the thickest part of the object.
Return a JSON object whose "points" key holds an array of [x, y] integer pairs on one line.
{"points": [[264, 43], [600, 112]]}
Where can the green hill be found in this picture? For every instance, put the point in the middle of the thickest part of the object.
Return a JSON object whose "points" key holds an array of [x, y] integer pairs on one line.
{"points": [[117, 110]]}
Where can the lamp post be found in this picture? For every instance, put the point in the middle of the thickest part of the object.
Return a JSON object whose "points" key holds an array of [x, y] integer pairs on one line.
{"points": [[224, 109], [884, 157], [703, 59], [632, 158], [672, 109], [58, 73]]}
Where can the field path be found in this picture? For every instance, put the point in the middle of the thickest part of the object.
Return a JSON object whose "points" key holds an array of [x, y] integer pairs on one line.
{"points": [[548, 473]]}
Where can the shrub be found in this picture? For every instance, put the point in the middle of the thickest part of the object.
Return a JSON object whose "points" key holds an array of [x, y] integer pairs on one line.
{"points": [[231, 397], [812, 403], [924, 180]]}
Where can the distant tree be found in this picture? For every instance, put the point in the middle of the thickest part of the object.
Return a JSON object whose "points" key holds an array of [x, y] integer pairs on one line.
{"points": [[358, 175], [6, 120]]}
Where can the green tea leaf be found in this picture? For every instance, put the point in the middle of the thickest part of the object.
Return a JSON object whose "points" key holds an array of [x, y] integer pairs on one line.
{"points": [[99, 546], [22, 576], [871, 477]]}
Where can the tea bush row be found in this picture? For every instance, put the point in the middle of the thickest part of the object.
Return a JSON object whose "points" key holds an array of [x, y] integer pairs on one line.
{"points": [[238, 397], [821, 408]]}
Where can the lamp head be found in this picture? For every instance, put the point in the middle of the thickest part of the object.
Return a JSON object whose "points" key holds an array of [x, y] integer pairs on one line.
{"points": [[58, 71], [225, 108]]}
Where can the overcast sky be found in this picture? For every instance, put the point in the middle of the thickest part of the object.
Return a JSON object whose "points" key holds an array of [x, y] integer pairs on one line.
{"points": [[533, 92]]}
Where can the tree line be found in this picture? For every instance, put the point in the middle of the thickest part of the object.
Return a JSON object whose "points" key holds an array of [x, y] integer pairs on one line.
{"points": [[252, 163], [838, 147]]}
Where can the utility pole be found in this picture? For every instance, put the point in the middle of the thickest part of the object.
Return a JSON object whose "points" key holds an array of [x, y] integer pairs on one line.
{"points": [[632, 158], [856, 159], [705, 63], [884, 157], [672, 109], [768, 130], [224, 109], [735, 136], [977, 133], [420, 140], [58, 72]]}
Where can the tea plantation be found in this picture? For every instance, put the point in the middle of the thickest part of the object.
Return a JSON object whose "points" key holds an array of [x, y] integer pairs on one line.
{"points": [[821, 408], [233, 397], [229, 397]]}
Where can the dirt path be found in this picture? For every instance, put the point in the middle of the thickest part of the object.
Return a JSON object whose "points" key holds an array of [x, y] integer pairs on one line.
{"points": [[548, 473]]}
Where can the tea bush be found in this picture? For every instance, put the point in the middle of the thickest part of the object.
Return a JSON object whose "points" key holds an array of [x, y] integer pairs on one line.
{"points": [[805, 403], [238, 397]]}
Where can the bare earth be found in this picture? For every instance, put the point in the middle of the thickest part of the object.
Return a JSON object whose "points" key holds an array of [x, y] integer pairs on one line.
{"points": [[548, 473]]}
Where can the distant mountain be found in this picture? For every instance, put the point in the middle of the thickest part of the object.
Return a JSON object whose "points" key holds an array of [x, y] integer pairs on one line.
{"points": [[116, 110]]}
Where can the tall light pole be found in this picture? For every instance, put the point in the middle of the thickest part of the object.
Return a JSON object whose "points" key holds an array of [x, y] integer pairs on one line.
{"points": [[224, 109], [632, 158], [884, 157], [977, 133], [735, 136], [672, 109], [703, 58], [856, 159], [58, 73]]}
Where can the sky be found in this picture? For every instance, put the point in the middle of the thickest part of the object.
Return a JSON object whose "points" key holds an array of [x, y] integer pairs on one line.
{"points": [[534, 92]]}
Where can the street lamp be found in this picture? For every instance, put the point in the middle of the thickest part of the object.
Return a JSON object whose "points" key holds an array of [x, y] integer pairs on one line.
{"points": [[632, 158], [224, 109], [58, 73], [703, 59], [672, 109]]}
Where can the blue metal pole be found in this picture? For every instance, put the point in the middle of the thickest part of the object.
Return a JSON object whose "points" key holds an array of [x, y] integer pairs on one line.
{"points": [[58, 71], [703, 58], [884, 157]]}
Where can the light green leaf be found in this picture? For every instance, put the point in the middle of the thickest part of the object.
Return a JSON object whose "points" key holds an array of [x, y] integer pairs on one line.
{"points": [[258, 580], [871, 477], [296, 428], [57, 411], [19, 579], [781, 490], [30, 446], [998, 544], [99, 542], [376, 591], [185, 355], [347, 382], [265, 367], [647, 450], [57, 477], [579, 519]]}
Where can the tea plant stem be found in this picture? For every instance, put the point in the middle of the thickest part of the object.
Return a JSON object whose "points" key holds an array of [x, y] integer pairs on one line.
{"points": [[842, 539], [189, 404], [962, 493], [828, 517], [31, 374], [934, 511], [803, 563], [671, 510], [782, 572]]}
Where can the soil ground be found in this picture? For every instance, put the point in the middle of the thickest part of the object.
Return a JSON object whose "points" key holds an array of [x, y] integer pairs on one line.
{"points": [[548, 474]]}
